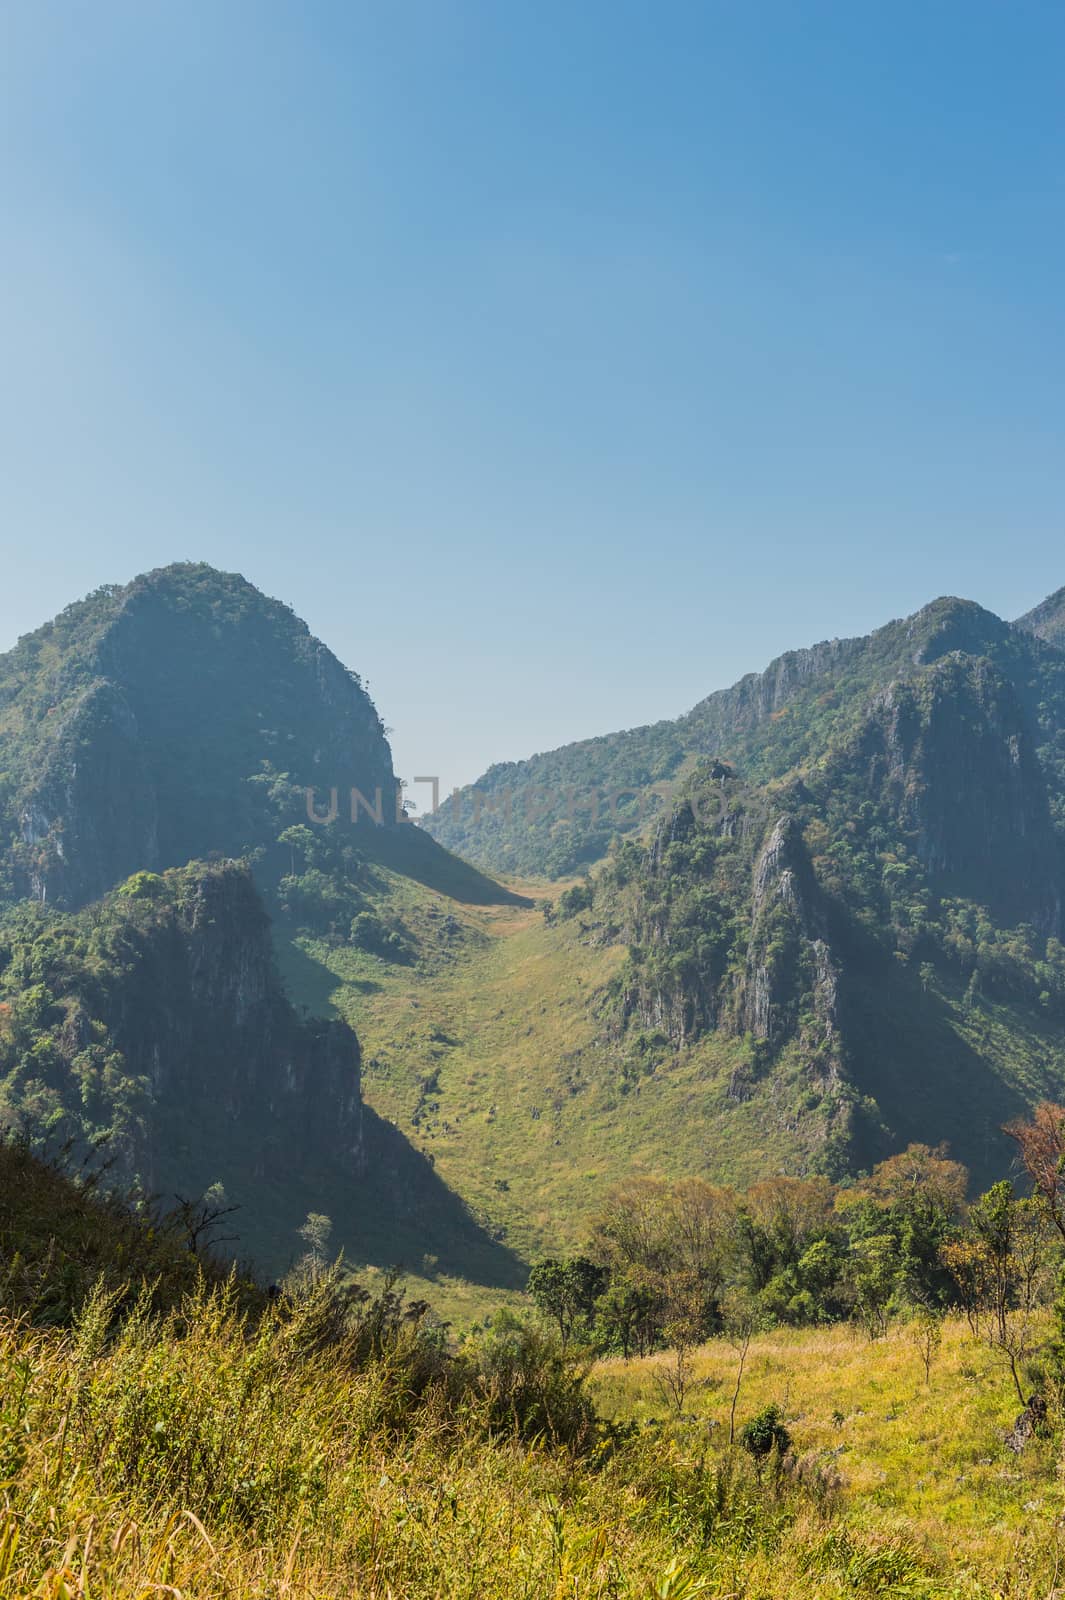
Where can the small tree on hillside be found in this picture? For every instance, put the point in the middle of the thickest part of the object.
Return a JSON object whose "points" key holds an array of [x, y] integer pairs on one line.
{"points": [[315, 1233], [627, 1315], [566, 1292], [743, 1318], [926, 1332], [200, 1220], [1004, 1261], [1041, 1147]]}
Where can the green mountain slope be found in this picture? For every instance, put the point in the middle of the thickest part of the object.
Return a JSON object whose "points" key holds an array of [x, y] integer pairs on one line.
{"points": [[186, 717], [154, 1026], [847, 908], [1047, 620], [510, 1050], [838, 928], [183, 715], [557, 812]]}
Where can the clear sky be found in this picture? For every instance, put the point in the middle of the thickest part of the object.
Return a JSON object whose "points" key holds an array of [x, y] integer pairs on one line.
{"points": [[558, 360]]}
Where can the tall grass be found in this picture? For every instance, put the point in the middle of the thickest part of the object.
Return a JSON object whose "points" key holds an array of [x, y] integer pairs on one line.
{"points": [[206, 1452], [172, 1431]]}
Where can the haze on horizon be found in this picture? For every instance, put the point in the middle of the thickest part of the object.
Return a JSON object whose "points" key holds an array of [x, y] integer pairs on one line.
{"points": [[557, 365]]}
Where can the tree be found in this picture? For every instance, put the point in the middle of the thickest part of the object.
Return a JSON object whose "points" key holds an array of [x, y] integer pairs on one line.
{"points": [[675, 1379], [743, 1318], [765, 1433], [626, 1316], [922, 1171], [200, 1219], [675, 1241], [566, 1291], [926, 1332], [873, 1273], [315, 1233], [298, 837], [1041, 1146], [1004, 1262], [777, 1220]]}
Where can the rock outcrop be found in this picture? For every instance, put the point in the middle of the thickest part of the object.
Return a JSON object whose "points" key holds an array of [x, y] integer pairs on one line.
{"points": [[136, 724], [167, 1021], [1047, 621], [788, 955], [953, 757]]}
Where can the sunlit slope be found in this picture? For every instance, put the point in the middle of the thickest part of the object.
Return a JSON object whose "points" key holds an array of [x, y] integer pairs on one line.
{"points": [[923, 1457], [490, 1053], [493, 1051]]}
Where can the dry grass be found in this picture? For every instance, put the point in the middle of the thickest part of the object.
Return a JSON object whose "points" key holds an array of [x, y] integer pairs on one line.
{"points": [[208, 1457], [924, 1457]]}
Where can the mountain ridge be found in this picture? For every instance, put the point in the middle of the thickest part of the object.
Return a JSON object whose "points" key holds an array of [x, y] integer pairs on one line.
{"points": [[740, 723], [838, 929]]}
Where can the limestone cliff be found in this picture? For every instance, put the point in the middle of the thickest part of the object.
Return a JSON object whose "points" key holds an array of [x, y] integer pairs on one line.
{"points": [[134, 727], [159, 1022]]}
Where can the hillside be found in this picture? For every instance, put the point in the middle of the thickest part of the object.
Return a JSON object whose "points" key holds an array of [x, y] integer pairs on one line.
{"points": [[840, 932], [509, 1048], [844, 920], [184, 715], [1047, 620], [183, 718], [557, 812], [153, 1028], [168, 1430]]}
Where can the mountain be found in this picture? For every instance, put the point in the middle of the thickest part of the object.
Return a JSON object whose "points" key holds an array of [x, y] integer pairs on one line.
{"points": [[1047, 621], [843, 917], [826, 921], [557, 812], [158, 1023], [169, 751], [182, 715]]}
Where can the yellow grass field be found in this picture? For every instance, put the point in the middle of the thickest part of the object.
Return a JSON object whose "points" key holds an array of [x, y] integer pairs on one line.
{"points": [[921, 1458]]}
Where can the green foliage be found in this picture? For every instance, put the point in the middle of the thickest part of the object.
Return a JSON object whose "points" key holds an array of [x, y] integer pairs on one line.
{"points": [[67, 1237], [142, 886], [671, 1265], [566, 1292], [183, 1430], [133, 1025], [765, 1433], [527, 1384]]}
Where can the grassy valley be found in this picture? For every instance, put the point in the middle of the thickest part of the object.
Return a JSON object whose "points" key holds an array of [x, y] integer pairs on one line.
{"points": [[615, 1252], [495, 1050], [492, 1051]]}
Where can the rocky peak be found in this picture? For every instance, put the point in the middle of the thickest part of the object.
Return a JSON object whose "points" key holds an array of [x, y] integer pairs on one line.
{"points": [[1047, 620], [949, 625], [136, 721], [955, 758]]}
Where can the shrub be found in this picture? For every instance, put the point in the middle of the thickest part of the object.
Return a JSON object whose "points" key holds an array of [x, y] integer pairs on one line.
{"points": [[526, 1385], [765, 1433]]}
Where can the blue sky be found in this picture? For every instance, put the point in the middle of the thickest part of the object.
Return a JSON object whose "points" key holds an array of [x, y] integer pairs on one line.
{"points": [[558, 360]]}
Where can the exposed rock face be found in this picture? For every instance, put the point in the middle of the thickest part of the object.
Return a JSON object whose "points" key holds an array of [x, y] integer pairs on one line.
{"points": [[782, 977], [202, 1016], [760, 695], [1047, 621], [93, 816], [788, 955], [954, 757], [139, 748]]}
